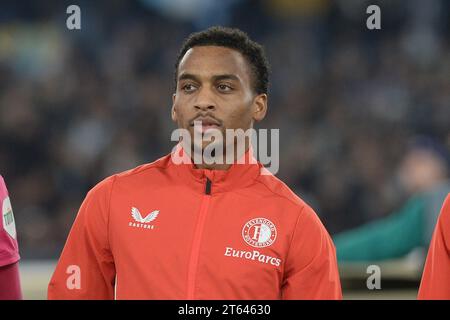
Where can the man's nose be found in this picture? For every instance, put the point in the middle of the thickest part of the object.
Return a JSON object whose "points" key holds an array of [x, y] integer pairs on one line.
{"points": [[205, 100]]}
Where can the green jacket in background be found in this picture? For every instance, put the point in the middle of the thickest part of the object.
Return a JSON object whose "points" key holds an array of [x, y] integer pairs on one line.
{"points": [[396, 235]]}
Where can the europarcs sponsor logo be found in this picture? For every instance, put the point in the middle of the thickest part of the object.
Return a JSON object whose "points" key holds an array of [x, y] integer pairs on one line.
{"points": [[254, 255], [258, 233]]}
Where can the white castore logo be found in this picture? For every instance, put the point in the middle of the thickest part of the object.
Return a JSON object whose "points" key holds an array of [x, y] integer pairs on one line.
{"points": [[140, 221]]}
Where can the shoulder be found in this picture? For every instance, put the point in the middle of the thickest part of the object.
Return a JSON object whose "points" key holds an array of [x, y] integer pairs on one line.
{"points": [[9, 252], [276, 188], [133, 177], [444, 218], [145, 169], [273, 187], [3, 190]]}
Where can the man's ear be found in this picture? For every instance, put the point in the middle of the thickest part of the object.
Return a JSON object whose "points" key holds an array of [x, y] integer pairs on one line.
{"points": [[260, 107], [173, 111]]}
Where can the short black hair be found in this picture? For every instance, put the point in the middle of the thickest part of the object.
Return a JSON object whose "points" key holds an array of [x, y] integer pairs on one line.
{"points": [[234, 39]]}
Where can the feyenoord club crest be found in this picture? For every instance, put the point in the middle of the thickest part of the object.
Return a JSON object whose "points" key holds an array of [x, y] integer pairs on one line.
{"points": [[259, 232]]}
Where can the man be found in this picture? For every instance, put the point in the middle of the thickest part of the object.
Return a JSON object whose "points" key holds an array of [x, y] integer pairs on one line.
{"points": [[9, 250], [424, 176], [189, 230], [435, 282]]}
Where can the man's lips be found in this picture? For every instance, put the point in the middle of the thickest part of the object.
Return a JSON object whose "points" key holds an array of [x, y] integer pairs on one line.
{"points": [[206, 121], [205, 124]]}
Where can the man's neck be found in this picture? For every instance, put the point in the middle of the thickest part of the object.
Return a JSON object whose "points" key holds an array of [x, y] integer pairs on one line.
{"points": [[223, 164], [213, 166]]}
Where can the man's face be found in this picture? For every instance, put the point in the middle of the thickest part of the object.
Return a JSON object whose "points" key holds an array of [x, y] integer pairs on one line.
{"points": [[421, 170], [214, 86]]}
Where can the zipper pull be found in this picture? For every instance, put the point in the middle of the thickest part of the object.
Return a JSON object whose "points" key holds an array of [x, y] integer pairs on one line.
{"points": [[208, 186]]}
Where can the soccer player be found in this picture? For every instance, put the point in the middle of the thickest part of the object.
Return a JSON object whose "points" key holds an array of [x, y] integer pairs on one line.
{"points": [[435, 282], [170, 230], [9, 250]]}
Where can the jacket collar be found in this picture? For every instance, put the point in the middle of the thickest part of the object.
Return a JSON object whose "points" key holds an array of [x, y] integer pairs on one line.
{"points": [[239, 175]]}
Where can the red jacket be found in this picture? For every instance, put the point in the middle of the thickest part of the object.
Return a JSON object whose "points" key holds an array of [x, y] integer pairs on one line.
{"points": [[9, 249], [171, 231], [435, 282]]}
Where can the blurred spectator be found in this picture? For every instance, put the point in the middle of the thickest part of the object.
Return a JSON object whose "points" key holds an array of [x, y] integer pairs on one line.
{"points": [[423, 175]]}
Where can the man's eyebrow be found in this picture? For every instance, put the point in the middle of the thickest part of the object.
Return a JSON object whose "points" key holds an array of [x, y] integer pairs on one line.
{"points": [[226, 77], [190, 76]]}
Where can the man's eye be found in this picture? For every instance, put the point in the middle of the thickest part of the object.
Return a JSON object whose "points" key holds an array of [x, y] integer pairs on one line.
{"points": [[188, 87], [224, 87]]}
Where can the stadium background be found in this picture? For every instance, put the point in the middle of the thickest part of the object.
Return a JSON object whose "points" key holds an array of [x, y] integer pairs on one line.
{"points": [[77, 106]]}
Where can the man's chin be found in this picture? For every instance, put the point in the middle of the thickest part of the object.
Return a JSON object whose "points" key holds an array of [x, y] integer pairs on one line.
{"points": [[206, 146]]}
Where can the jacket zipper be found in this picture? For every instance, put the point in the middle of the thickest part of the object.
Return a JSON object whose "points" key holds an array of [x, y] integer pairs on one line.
{"points": [[195, 251]]}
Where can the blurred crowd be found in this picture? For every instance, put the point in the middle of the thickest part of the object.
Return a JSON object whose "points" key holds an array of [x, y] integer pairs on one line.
{"points": [[79, 105]]}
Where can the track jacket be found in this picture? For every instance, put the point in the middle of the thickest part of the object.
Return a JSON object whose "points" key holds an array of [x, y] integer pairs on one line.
{"points": [[172, 231], [435, 282]]}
